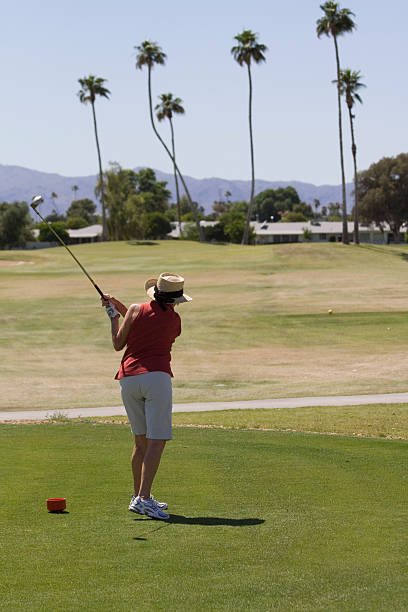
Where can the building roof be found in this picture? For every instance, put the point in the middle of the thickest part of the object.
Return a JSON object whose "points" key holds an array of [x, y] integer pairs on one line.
{"points": [[92, 231], [175, 232], [315, 227]]}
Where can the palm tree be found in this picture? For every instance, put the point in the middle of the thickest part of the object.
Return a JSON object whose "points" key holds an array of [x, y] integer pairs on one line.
{"points": [[54, 196], [316, 203], [148, 54], [91, 88], [349, 85], [335, 23], [248, 50], [75, 190], [166, 108]]}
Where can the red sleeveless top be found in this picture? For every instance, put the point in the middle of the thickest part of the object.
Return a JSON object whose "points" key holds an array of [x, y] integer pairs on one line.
{"points": [[150, 339]]}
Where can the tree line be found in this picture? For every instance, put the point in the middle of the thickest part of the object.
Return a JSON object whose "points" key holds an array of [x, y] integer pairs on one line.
{"points": [[247, 50], [138, 207]]}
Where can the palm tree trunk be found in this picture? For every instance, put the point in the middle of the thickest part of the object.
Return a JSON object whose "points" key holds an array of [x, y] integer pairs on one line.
{"points": [[104, 232], [175, 175], [192, 205], [343, 181], [354, 152], [251, 142]]}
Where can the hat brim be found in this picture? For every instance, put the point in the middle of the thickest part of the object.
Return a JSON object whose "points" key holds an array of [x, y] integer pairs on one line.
{"points": [[149, 288]]}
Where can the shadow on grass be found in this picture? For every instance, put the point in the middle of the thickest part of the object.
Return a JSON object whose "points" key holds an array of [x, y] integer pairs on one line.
{"points": [[381, 251], [142, 243], [209, 521], [216, 243], [404, 256]]}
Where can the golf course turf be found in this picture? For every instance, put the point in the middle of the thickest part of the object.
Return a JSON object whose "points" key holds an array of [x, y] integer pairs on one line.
{"points": [[258, 519], [269, 510], [258, 325]]}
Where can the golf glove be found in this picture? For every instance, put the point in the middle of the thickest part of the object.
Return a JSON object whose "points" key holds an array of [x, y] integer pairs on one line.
{"points": [[111, 311]]}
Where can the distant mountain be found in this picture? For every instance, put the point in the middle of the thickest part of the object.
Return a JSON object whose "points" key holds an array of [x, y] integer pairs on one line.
{"points": [[17, 183]]}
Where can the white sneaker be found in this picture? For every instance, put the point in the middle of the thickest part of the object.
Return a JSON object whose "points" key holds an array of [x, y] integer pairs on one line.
{"points": [[150, 508], [135, 507], [161, 505]]}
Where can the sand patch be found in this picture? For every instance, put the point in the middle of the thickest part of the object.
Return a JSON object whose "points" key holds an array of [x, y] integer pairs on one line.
{"points": [[7, 262]]}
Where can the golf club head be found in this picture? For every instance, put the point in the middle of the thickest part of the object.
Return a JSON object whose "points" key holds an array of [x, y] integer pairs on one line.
{"points": [[36, 201]]}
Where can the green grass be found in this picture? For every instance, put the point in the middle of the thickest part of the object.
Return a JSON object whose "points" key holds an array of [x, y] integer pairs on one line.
{"points": [[260, 520], [375, 420], [258, 326]]}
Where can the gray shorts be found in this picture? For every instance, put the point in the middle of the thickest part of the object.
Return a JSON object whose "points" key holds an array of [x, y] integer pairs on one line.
{"points": [[148, 403]]}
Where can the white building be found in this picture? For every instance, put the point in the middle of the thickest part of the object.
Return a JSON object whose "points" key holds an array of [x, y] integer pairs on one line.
{"points": [[306, 231], [266, 232], [319, 231], [92, 233]]}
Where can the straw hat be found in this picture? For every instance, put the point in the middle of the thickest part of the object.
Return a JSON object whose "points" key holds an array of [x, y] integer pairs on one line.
{"points": [[169, 287]]}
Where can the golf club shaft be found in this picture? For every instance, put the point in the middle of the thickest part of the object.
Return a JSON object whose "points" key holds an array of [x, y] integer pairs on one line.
{"points": [[69, 251]]}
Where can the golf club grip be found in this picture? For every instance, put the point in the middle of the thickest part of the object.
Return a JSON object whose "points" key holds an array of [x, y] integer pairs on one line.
{"points": [[98, 290]]}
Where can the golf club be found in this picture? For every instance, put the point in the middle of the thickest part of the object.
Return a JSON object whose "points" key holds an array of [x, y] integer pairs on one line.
{"points": [[36, 201]]}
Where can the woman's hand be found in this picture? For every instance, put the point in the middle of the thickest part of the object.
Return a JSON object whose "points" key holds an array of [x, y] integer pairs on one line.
{"points": [[109, 299], [106, 299], [111, 311]]}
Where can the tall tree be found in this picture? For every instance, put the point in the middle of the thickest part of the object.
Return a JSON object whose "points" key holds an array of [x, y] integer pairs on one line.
{"points": [[169, 105], [54, 196], [148, 54], [336, 22], [91, 87], [75, 190], [15, 222], [349, 85], [383, 193], [247, 50], [85, 209]]}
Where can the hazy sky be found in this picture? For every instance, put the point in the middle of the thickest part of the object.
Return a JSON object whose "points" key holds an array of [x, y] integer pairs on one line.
{"points": [[47, 45]]}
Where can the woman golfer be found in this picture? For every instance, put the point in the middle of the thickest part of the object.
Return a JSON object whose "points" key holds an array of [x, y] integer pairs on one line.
{"points": [[148, 332]]}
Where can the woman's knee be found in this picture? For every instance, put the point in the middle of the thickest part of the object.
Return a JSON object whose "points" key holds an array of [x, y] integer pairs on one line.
{"points": [[156, 444], [140, 444]]}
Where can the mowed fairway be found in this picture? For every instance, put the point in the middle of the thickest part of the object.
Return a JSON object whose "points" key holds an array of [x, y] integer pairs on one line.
{"points": [[258, 326], [259, 520]]}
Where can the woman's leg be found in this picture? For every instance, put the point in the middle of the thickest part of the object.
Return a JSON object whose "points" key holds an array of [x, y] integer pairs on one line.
{"points": [[150, 464], [158, 408], [138, 454]]}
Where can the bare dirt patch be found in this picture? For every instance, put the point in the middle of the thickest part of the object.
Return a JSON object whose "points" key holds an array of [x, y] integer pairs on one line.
{"points": [[8, 262]]}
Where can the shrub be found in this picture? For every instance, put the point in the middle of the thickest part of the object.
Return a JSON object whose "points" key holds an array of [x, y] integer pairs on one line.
{"points": [[215, 233], [158, 226], [233, 225], [75, 222], [190, 232], [46, 235], [293, 217], [15, 224]]}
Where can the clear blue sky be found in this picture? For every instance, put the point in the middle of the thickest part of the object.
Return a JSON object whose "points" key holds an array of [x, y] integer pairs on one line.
{"points": [[47, 45]]}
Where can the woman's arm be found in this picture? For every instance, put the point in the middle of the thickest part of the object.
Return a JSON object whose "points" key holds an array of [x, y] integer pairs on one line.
{"points": [[120, 336]]}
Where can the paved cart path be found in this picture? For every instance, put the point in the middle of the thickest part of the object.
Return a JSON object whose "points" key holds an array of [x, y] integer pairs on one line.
{"points": [[288, 402]]}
